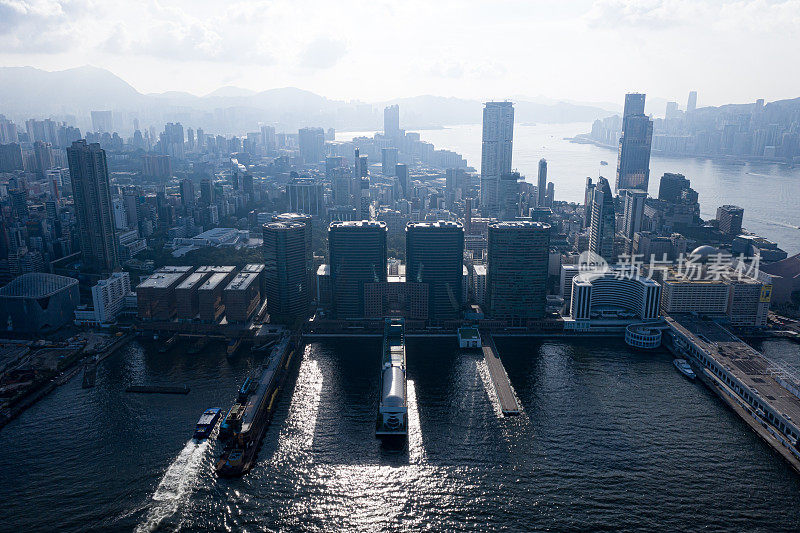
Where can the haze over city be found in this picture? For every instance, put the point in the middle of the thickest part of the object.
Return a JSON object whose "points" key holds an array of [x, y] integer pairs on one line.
{"points": [[585, 51], [399, 266]]}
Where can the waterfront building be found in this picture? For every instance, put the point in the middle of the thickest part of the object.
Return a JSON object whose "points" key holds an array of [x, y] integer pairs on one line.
{"points": [[435, 255], [242, 297], [286, 269], [516, 279], [210, 302], [396, 297], [633, 162], [38, 302], [498, 133], [729, 219], [671, 186], [603, 220], [186, 295], [602, 298], [357, 252], [155, 296], [93, 207], [108, 296]]}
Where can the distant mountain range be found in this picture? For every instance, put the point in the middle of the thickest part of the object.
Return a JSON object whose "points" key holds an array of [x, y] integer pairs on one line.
{"points": [[27, 92]]}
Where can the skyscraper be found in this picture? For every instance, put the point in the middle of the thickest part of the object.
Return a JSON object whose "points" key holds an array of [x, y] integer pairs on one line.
{"points": [[516, 275], [498, 133], [391, 123], [93, 208], [602, 229], [305, 196], [312, 144], [729, 218], [671, 186], [285, 270], [587, 203], [357, 253], [633, 211], [508, 196], [541, 184], [691, 104], [633, 163], [401, 170], [388, 161], [435, 255]]}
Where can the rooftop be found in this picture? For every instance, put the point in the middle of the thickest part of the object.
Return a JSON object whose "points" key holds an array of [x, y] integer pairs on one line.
{"points": [[160, 280], [242, 281], [36, 285]]}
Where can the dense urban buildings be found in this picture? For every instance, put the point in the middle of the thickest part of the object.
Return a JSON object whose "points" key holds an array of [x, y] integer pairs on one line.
{"points": [[603, 220]]}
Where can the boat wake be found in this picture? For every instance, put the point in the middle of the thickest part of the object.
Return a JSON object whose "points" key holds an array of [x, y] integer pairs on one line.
{"points": [[176, 485]]}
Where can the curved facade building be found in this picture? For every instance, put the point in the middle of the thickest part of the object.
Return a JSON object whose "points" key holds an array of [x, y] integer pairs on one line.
{"points": [[612, 296], [38, 302], [642, 336]]}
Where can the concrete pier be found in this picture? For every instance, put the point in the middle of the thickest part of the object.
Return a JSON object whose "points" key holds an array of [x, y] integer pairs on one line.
{"points": [[502, 386]]}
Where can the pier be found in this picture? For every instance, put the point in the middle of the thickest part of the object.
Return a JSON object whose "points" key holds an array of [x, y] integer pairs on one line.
{"points": [[763, 394], [502, 385]]}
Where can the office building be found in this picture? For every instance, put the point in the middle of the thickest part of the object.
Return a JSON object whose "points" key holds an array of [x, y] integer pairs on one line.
{"points": [[305, 196], [93, 208], [155, 296], [633, 162], [210, 302], [516, 277], [671, 186], [389, 161], [187, 297], [633, 211], [357, 252], [391, 123], [508, 196], [157, 166], [286, 270], [498, 133], [401, 172], [541, 183], [602, 227], [729, 219], [312, 145], [435, 255], [691, 103]]}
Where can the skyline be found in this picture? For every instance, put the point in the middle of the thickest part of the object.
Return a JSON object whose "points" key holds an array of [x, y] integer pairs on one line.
{"points": [[383, 51]]}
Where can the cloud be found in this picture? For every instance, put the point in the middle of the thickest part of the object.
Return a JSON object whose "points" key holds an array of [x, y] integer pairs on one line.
{"points": [[322, 53], [39, 26], [643, 14]]}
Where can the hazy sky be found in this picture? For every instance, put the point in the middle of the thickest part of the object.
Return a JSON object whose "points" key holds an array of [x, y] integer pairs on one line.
{"points": [[730, 51]]}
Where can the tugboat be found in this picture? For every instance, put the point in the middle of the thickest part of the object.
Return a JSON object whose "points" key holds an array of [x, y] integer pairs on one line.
{"points": [[206, 423], [683, 367]]}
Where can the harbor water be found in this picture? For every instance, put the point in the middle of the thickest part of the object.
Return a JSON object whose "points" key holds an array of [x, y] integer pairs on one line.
{"points": [[608, 438]]}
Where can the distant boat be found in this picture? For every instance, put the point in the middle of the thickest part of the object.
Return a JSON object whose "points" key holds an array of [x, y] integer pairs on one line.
{"points": [[603, 163], [684, 368]]}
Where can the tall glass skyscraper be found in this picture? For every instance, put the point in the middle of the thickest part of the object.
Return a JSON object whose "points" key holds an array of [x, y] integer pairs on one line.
{"points": [[357, 252], [516, 274], [498, 133], [603, 223], [285, 270], [435, 255], [633, 163], [93, 208]]}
